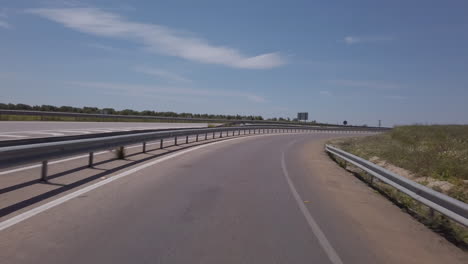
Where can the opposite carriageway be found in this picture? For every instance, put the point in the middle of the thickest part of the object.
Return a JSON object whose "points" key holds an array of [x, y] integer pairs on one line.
{"points": [[15, 155]]}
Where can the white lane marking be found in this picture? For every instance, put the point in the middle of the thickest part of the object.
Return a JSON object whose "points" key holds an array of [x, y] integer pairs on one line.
{"points": [[28, 214], [77, 157], [100, 130], [327, 247], [119, 129], [43, 133], [74, 131], [13, 136]]}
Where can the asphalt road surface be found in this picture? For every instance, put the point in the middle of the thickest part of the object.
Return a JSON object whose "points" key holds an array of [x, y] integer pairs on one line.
{"points": [[261, 199], [22, 130]]}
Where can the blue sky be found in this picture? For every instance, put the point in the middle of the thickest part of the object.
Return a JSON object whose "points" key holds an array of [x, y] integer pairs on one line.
{"points": [[399, 61]]}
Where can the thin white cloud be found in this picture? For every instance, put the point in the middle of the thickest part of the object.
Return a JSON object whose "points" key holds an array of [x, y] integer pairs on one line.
{"points": [[160, 73], [326, 93], [102, 47], [155, 38], [350, 40], [4, 24], [3, 16], [144, 90], [378, 85]]}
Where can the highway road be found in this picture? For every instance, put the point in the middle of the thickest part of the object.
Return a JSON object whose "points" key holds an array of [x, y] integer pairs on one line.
{"points": [[257, 199], [30, 129]]}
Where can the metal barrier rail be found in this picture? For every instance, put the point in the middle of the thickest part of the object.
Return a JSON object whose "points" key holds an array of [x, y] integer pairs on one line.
{"points": [[448, 206], [27, 141], [11, 156]]}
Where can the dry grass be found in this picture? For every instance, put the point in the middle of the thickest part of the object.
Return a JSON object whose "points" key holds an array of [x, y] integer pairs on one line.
{"points": [[438, 152], [431, 152]]}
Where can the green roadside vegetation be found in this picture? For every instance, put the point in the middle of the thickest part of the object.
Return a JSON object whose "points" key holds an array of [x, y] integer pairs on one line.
{"points": [[433, 155], [106, 111]]}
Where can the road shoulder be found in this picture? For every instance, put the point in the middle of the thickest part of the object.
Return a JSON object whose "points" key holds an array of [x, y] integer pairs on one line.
{"points": [[394, 235]]}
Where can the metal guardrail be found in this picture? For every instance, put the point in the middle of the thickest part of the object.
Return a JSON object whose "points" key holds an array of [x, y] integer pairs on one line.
{"points": [[42, 152], [175, 119], [448, 206], [27, 141]]}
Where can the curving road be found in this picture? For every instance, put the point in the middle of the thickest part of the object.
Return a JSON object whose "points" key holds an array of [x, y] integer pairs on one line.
{"points": [[264, 199]]}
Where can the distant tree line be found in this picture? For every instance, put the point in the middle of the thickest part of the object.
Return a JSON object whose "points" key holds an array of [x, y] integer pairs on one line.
{"points": [[112, 111]]}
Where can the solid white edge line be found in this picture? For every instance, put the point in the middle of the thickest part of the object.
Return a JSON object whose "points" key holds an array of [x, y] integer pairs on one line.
{"points": [[13, 136], [30, 213], [322, 239]]}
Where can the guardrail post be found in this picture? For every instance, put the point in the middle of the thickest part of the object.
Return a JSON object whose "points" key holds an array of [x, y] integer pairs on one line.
{"points": [[206, 136], [249, 132], [175, 140], [186, 140], [44, 171], [213, 134], [244, 132], [221, 134], [196, 138], [144, 147], [238, 133], [90, 159], [161, 144]]}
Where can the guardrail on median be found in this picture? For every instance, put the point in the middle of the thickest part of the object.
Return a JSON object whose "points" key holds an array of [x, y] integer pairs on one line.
{"points": [[448, 206], [42, 152]]}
